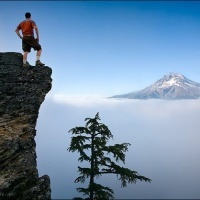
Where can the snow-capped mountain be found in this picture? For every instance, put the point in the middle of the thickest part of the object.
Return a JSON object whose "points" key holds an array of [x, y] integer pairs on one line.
{"points": [[172, 86]]}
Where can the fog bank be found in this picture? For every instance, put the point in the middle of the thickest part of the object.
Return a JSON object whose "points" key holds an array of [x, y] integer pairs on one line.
{"points": [[164, 137]]}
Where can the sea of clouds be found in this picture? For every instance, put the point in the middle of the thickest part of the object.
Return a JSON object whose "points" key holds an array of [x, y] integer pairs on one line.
{"points": [[164, 137]]}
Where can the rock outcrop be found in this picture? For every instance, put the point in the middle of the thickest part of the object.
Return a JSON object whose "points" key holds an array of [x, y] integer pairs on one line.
{"points": [[22, 91]]}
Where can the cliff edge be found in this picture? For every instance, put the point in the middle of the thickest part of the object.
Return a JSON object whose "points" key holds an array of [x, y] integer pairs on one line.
{"points": [[22, 91]]}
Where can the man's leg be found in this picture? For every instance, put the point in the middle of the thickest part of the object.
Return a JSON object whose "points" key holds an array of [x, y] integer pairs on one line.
{"points": [[38, 62], [38, 54], [25, 57], [25, 62]]}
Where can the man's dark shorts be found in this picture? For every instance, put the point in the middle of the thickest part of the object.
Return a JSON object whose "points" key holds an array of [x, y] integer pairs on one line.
{"points": [[29, 42]]}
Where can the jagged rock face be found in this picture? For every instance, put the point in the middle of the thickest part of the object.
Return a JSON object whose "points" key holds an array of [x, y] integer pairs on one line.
{"points": [[22, 91]]}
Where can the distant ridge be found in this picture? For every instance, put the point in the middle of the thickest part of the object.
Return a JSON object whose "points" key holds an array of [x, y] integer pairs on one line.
{"points": [[173, 86]]}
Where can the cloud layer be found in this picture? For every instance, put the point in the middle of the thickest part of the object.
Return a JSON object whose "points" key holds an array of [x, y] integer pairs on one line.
{"points": [[164, 137]]}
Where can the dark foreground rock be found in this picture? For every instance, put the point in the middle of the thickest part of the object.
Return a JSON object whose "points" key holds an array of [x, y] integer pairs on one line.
{"points": [[22, 91]]}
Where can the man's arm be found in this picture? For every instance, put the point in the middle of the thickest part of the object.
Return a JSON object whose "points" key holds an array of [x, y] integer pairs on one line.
{"points": [[18, 33], [37, 32]]}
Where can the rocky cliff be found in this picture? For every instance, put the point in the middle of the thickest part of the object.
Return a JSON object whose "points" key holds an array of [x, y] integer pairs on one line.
{"points": [[22, 91]]}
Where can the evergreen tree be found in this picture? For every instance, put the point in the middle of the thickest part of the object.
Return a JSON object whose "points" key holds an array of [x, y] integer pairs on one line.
{"points": [[91, 143]]}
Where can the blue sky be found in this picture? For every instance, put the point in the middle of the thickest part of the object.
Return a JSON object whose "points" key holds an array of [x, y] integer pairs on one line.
{"points": [[107, 48]]}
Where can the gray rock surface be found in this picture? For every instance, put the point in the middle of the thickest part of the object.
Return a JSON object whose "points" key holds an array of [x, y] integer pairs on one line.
{"points": [[22, 91]]}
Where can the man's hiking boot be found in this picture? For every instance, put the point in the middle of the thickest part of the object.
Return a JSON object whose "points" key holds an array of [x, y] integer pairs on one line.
{"points": [[38, 63], [27, 64]]}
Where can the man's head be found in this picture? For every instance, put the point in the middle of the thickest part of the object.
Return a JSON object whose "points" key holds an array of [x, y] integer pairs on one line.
{"points": [[27, 15]]}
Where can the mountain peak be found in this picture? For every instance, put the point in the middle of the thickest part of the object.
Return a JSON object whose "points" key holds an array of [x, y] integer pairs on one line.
{"points": [[171, 86], [173, 75]]}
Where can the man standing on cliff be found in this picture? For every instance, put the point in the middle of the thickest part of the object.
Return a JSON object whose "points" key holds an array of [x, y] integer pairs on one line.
{"points": [[28, 41]]}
